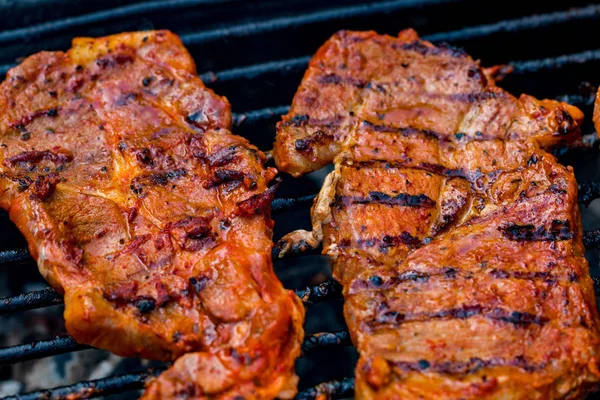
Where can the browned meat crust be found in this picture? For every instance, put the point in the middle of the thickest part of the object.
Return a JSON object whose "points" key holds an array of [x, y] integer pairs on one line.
{"points": [[456, 236], [149, 215]]}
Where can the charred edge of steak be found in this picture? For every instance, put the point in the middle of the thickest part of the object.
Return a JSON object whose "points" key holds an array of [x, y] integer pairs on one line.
{"points": [[56, 156], [402, 199], [223, 176], [559, 230], [517, 318], [471, 366], [259, 203], [305, 145], [429, 50]]}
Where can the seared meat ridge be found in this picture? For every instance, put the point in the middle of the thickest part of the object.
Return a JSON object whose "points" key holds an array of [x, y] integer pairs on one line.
{"points": [[149, 215], [456, 236]]}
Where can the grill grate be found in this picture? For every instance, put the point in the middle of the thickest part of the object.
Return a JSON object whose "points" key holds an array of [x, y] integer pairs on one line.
{"points": [[271, 77]]}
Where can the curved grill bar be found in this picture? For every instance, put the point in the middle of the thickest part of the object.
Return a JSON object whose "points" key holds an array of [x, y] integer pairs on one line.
{"points": [[65, 344], [253, 28], [43, 348], [329, 390], [95, 388]]}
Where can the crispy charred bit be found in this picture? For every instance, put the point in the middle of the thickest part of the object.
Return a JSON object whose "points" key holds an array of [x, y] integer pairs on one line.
{"points": [[558, 230], [149, 215], [454, 233], [259, 203]]}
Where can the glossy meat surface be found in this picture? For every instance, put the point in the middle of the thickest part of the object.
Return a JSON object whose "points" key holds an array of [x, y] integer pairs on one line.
{"points": [[149, 215], [455, 234]]}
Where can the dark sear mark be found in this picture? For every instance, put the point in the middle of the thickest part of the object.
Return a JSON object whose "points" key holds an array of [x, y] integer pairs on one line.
{"points": [[425, 50], [57, 156], [471, 366], [387, 317], [223, 157], [402, 199], [559, 230], [139, 183], [407, 131], [198, 283], [388, 282], [222, 176], [304, 145], [386, 242]]}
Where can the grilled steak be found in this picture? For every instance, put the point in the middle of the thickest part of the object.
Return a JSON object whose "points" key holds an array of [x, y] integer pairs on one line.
{"points": [[149, 215], [456, 236]]}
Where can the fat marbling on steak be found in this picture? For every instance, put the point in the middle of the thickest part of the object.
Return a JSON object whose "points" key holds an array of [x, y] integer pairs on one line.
{"points": [[456, 235], [150, 217]]}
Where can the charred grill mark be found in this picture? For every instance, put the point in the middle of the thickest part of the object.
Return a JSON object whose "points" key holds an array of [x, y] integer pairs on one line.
{"points": [[25, 120], [223, 176], [138, 184], [385, 316], [407, 131], [559, 230], [224, 156], [383, 283], [198, 283], [304, 145], [259, 203], [429, 50], [386, 242], [57, 156], [467, 367], [402, 199], [334, 79], [325, 123]]}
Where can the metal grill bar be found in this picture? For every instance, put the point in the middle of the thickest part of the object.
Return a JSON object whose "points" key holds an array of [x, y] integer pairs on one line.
{"points": [[13, 256], [329, 390], [43, 348], [95, 388], [252, 117], [282, 67], [591, 239], [280, 205], [32, 32], [253, 28], [522, 67], [49, 297], [519, 24], [326, 339], [29, 301], [65, 343], [588, 191]]}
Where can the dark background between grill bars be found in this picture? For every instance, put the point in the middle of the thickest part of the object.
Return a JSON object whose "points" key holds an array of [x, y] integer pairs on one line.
{"points": [[257, 51]]}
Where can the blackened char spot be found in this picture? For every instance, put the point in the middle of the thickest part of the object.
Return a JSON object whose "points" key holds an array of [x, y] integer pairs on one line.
{"points": [[199, 283], [307, 143], [558, 230]]}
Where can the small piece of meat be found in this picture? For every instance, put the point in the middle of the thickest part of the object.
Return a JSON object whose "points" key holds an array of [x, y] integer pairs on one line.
{"points": [[111, 166], [456, 236]]}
